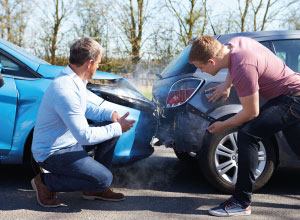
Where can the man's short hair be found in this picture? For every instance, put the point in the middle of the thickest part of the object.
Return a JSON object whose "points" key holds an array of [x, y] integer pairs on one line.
{"points": [[83, 50], [205, 48]]}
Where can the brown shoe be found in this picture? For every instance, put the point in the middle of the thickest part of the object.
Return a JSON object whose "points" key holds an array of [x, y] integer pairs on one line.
{"points": [[44, 196], [107, 195]]}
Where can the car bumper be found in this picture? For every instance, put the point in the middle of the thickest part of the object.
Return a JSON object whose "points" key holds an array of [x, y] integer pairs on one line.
{"points": [[182, 128]]}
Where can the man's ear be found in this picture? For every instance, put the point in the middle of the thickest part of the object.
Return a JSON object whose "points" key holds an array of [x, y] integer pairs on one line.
{"points": [[212, 61], [89, 63]]}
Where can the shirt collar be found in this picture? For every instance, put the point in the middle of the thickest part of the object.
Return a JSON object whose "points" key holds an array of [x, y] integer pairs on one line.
{"points": [[74, 76]]}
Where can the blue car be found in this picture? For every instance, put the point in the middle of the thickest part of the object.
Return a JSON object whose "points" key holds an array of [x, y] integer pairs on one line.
{"points": [[26, 77]]}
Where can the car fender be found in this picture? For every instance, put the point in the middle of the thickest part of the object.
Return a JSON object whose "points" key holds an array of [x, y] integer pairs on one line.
{"points": [[225, 110]]}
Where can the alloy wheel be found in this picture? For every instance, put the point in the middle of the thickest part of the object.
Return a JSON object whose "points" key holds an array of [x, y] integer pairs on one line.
{"points": [[226, 158]]}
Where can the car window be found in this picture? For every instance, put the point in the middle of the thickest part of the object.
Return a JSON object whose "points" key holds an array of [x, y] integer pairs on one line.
{"points": [[266, 44], [289, 52], [11, 68], [179, 65]]}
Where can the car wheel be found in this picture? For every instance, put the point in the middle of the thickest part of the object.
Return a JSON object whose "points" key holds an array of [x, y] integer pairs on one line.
{"points": [[186, 157], [219, 161]]}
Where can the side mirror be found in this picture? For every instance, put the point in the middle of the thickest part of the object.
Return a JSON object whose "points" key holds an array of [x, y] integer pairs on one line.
{"points": [[1, 78]]}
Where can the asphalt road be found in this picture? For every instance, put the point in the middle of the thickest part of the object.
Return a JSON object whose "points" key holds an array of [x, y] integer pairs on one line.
{"points": [[159, 187]]}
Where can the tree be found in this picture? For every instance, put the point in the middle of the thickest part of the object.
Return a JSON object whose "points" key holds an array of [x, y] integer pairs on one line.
{"points": [[293, 20], [132, 16], [191, 17], [243, 13], [14, 16], [55, 13], [93, 21], [263, 12]]}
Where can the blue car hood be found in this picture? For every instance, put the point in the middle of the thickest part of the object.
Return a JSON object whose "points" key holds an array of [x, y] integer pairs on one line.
{"points": [[51, 71]]}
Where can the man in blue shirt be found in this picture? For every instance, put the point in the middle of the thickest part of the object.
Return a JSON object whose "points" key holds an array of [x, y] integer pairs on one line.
{"points": [[62, 133]]}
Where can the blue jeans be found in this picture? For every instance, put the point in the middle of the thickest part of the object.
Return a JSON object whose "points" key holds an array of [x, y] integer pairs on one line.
{"points": [[280, 113], [72, 169]]}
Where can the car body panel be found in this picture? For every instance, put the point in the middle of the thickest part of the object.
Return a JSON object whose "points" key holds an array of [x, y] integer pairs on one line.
{"points": [[28, 59], [8, 106], [51, 71]]}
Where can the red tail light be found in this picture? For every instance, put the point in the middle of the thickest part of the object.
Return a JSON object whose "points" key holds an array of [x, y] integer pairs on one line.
{"points": [[182, 90]]}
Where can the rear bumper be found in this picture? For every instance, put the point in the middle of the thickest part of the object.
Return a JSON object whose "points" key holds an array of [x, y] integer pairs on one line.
{"points": [[182, 129]]}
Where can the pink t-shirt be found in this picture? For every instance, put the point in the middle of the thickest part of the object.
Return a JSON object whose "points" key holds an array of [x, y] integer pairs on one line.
{"points": [[253, 67]]}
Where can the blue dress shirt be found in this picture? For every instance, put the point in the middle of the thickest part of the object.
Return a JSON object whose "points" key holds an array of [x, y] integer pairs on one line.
{"points": [[62, 118]]}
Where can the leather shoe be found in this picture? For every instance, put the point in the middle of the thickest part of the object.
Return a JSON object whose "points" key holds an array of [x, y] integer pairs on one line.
{"points": [[44, 196], [107, 195]]}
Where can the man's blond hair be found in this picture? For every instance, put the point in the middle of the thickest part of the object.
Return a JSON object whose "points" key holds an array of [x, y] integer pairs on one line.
{"points": [[205, 48]]}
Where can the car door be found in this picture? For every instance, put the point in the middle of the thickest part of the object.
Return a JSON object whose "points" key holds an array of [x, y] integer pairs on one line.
{"points": [[8, 105]]}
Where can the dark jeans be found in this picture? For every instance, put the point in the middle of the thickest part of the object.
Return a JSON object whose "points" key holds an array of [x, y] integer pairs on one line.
{"points": [[71, 169], [280, 113]]}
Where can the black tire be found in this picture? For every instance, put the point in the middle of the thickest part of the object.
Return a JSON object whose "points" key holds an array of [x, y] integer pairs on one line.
{"points": [[208, 163], [186, 157]]}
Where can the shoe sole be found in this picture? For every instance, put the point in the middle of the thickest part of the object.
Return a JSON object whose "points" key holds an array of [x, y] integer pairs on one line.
{"points": [[37, 197], [229, 214], [101, 198]]}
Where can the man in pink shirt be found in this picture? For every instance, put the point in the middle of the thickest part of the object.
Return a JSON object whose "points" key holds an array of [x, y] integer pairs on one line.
{"points": [[254, 71]]}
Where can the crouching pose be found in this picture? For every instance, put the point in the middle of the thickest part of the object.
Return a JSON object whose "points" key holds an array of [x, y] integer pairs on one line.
{"points": [[62, 133]]}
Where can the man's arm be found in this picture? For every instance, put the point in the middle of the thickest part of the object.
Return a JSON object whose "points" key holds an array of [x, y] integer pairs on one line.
{"points": [[68, 106], [250, 111]]}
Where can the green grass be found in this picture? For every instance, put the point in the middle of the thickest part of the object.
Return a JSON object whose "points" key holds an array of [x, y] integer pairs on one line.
{"points": [[146, 91]]}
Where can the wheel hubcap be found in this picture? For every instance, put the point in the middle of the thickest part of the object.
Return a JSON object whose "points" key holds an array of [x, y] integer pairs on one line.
{"points": [[226, 158]]}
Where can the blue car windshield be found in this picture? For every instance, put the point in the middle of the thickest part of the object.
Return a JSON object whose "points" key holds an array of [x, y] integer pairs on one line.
{"points": [[180, 65], [23, 52]]}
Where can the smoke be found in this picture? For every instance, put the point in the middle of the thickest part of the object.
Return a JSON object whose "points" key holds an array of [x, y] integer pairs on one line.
{"points": [[153, 172], [144, 73]]}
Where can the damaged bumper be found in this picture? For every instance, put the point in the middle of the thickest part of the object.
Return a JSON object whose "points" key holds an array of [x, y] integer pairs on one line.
{"points": [[183, 128], [119, 94]]}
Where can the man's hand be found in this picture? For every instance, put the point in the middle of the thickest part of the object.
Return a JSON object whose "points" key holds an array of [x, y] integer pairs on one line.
{"points": [[221, 90], [217, 127], [125, 124], [115, 116]]}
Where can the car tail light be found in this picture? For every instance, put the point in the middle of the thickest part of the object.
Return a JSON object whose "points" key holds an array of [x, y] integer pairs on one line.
{"points": [[182, 90]]}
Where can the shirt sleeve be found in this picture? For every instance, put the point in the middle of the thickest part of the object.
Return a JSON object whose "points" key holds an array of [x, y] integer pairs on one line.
{"points": [[245, 80], [97, 113], [68, 107]]}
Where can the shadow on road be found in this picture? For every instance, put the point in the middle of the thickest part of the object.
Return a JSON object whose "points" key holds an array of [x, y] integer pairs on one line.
{"points": [[178, 188]]}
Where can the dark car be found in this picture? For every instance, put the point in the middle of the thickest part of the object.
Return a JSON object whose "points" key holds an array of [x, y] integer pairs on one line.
{"points": [[185, 113]]}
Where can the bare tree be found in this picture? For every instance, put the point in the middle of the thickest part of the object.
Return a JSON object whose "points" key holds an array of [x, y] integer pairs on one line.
{"points": [[94, 20], [163, 45], [191, 16], [263, 12], [243, 13], [293, 20], [55, 13], [14, 15], [132, 25]]}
